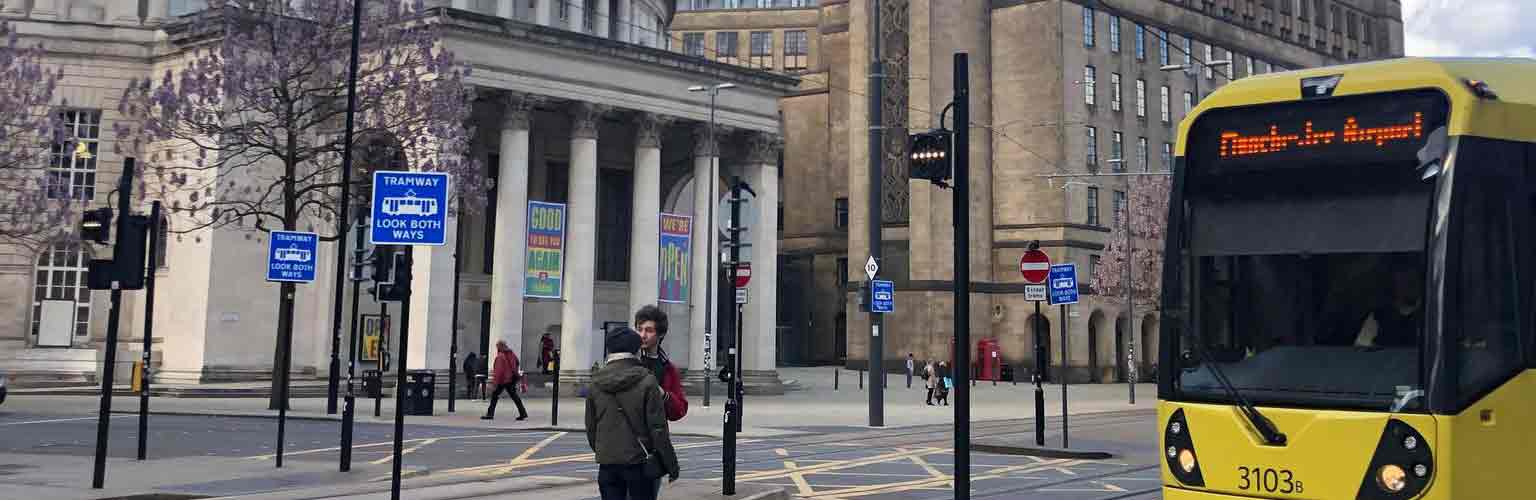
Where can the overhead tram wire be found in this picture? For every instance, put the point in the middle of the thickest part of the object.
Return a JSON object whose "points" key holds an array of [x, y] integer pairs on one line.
{"points": [[827, 83]]}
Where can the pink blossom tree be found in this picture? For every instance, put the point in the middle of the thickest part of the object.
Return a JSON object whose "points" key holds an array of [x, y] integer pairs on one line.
{"points": [[249, 131], [1145, 220], [37, 205]]}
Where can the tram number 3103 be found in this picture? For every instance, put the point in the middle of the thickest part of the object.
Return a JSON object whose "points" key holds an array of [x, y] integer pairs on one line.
{"points": [[1267, 480]]}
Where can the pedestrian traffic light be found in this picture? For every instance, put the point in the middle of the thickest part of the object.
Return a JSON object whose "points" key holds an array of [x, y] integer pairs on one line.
{"points": [[129, 256], [400, 289], [96, 225], [383, 263], [931, 153]]}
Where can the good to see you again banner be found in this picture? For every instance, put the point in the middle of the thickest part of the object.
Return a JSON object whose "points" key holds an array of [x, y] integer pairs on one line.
{"points": [[676, 239], [546, 250]]}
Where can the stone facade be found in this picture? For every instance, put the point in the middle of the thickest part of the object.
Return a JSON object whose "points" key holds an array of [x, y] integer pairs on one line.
{"points": [[565, 115], [1030, 111]]}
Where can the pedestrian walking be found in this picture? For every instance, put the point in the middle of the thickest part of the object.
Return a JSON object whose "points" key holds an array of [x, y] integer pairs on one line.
{"points": [[546, 354], [471, 363], [627, 423], [930, 380], [505, 375], [910, 363], [945, 384], [651, 324]]}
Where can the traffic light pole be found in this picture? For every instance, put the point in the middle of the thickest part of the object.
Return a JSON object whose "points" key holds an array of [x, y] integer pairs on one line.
{"points": [[349, 409], [405, 332], [733, 384], [124, 197], [149, 327], [333, 378], [876, 159], [962, 277]]}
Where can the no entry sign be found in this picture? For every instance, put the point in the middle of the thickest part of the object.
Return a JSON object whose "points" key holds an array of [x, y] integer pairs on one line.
{"points": [[1035, 266]]}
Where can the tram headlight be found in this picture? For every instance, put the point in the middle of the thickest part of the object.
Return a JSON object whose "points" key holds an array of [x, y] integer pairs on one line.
{"points": [[1392, 478], [1187, 461]]}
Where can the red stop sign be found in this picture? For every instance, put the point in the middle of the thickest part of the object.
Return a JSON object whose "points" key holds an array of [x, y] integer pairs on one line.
{"points": [[1035, 266], [743, 274]]}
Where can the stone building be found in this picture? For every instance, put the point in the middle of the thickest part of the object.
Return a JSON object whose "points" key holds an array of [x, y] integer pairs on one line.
{"points": [[1057, 87], [577, 102]]}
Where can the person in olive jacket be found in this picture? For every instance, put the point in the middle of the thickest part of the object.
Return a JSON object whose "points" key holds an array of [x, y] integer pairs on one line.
{"points": [[625, 390]]}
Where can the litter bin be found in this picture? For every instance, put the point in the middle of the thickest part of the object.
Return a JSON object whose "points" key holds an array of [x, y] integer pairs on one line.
{"points": [[373, 383], [417, 395]]}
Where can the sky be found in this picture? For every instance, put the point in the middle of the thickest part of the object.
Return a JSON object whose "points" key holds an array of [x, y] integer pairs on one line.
{"points": [[1470, 27]]}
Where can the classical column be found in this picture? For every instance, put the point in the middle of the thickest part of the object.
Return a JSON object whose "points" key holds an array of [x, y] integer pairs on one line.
{"points": [[578, 336], [576, 10], [759, 316], [504, 9], [645, 235], [431, 302], [544, 12], [511, 222], [45, 9], [626, 22], [703, 335], [158, 13], [602, 21]]}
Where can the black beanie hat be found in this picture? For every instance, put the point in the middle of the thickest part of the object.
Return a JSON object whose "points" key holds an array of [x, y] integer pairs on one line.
{"points": [[622, 340]]}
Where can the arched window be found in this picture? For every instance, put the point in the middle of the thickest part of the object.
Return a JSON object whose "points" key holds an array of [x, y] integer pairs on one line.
{"points": [[60, 275]]}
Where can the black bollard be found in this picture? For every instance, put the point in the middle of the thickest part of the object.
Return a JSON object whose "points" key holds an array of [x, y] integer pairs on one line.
{"points": [[836, 374]]}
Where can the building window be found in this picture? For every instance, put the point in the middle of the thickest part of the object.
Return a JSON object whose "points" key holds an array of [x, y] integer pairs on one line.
{"points": [[1093, 206], [1114, 34], [796, 49], [1167, 157], [1141, 42], [1093, 147], [72, 175], [1210, 55], [1163, 100], [1089, 84], [693, 44], [60, 275], [1119, 207], [840, 213], [1093, 264], [1141, 153], [1189, 52], [762, 50], [1189, 103], [1116, 150], [1141, 98], [728, 47], [1114, 91], [1088, 35], [1162, 47], [1249, 62]]}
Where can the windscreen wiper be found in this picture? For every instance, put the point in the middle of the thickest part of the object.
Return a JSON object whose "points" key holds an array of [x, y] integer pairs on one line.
{"points": [[1267, 430]]}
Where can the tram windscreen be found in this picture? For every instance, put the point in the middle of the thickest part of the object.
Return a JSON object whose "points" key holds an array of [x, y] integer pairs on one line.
{"points": [[1307, 225]]}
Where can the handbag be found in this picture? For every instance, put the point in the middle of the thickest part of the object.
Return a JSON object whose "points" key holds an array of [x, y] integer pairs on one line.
{"points": [[653, 466]]}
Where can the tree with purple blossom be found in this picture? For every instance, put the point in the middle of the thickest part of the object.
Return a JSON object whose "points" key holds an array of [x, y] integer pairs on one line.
{"points": [[38, 204], [1145, 218], [248, 131]]}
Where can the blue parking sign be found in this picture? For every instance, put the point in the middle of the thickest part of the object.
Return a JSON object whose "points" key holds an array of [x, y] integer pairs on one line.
{"points": [[291, 256], [409, 208], [1063, 283], [884, 296]]}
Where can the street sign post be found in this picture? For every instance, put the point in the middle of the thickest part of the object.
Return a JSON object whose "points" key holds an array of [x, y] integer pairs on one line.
{"points": [[1035, 267], [884, 300], [409, 208], [1035, 293], [291, 256]]}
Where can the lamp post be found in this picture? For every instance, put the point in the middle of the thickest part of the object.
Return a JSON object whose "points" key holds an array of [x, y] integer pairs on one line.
{"points": [[1196, 65], [709, 238]]}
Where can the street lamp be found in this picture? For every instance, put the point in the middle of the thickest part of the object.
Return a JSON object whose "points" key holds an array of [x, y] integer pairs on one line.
{"points": [[709, 238], [1181, 67]]}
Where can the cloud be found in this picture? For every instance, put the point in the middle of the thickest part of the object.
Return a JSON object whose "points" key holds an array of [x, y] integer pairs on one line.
{"points": [[1469, 28]]}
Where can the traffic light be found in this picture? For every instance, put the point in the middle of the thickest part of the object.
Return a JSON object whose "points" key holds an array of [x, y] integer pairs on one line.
{"points": [[383, 263], [931, 154], [400, 289], [96, 225], [359, 265], [129, 256]]}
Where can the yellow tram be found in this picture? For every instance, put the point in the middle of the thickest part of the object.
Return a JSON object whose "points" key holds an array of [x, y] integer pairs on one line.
{"points": [[1348, 293]]}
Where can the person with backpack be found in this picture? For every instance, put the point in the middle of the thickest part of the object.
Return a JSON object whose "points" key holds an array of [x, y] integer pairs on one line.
{"points": [[505, 375], [626, 420], [471, 363]]}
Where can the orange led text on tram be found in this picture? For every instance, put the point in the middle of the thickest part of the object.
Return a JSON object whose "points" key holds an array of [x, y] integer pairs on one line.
{"points": [[1234, 144]]}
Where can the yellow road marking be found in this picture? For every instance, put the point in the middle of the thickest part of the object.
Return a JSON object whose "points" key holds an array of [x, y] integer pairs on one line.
{"points": [[801, 484], [927, 483], [845, 464], [405, 451], [356, 446], [523, 457]]}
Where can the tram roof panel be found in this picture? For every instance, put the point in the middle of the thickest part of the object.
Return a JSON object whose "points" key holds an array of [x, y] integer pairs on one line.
{"points": [[1510, 116]]}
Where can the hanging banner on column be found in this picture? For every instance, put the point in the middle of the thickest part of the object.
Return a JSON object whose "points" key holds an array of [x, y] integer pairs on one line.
{"points": [[676, 245], [546, 250]]}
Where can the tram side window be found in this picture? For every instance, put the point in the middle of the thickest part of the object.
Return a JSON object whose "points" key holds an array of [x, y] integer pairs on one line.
{"points": [[1485, 264]]}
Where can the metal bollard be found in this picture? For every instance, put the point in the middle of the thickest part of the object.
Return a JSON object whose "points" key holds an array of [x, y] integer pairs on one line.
{"points": [[836, 374], [861, 379]]}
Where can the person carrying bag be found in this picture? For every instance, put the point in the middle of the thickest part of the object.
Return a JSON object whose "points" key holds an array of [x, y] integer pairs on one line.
{"points": [[633, 448]]}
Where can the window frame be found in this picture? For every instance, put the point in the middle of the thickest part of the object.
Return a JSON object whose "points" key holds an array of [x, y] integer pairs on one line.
{"points": [[1092, 200], [70, 177], [1091, 156], [1141, 98], [1115, 98], [797, 50], [1114, 34], [1090, 85], [1089, 28], [45, 270], [760, 40], [1141, 42]]}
